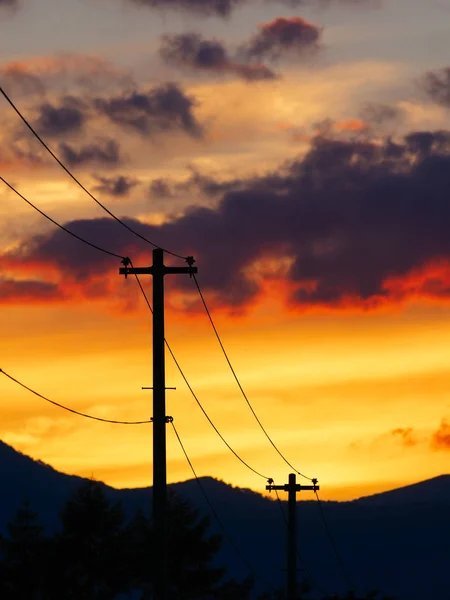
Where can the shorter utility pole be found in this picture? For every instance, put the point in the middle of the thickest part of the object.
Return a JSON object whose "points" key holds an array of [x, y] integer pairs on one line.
{"points": [[292, 488]]}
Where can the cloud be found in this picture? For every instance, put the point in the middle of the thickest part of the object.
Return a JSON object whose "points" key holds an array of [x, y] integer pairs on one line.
{"points": [[379, 113], [221, 8], [163, 108], [9, 3], [224, 8], [61, 120], [406, 435], [281, 37], [41, 74], [437, 85], [196, 52], [440, 440], [195, 182], [105, 152], [118, 186], [20, 291], [352, 223]]}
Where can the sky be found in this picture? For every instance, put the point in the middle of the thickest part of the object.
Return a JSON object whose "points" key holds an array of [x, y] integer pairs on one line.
{"points": [[300, 151]]}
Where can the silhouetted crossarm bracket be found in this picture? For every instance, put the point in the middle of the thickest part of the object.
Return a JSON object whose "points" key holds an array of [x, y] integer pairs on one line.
{"points": [[297, 488], [151, 270]]}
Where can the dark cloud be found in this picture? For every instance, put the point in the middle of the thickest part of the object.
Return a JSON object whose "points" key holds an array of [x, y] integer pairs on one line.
{"points": [[14, 291], [196, 182], [362, 223], [9, 3], [440, 440], [379, 113], [163, 108], [67, 118], [192, 50], [116, 186], [106, 152], [202, 7], [223, 8], [282, 36], [437, 85], [161, 188]]}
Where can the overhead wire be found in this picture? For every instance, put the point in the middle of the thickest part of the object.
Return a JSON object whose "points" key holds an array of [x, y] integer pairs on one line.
{"points": [[77, 181], [333, 544], [305, 568], [194, 395], [71, 410], [214, 512], [227, 358], [95, 246], [81, 239]]}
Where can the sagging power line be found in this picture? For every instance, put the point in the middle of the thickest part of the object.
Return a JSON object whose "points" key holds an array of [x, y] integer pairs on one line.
{"points": [[233, 371], [72, 410], [76, 180], [216, 516]]}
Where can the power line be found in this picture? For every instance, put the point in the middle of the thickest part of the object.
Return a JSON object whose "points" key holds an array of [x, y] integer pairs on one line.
{"points": [[149, 306], [341, 564], [305, 568], [58, 224], [76, 180], [75, 412], [219, 521], [208, 312], [194, 395]]}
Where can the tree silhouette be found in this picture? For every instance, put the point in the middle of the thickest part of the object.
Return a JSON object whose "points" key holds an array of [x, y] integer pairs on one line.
{"points": [[24, 553], [97, 555], [89, 552], [191, 572]]}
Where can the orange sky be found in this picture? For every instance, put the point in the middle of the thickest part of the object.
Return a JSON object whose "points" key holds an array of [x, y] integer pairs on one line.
{"points": [[354, 392], [331, 391]]}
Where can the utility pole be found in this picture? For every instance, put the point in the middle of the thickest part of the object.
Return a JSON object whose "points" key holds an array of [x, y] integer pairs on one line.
{"points": [[292, 488], [159, 270]]}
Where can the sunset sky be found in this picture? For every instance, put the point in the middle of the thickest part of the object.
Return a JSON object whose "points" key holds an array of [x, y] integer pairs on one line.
{"points": [[300, 150]]}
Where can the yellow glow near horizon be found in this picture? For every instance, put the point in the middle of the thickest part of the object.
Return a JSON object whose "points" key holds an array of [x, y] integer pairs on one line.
{"points": [[329, 393]]}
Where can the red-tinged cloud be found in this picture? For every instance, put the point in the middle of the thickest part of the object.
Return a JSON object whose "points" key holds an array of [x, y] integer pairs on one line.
{"points": [[406, 436], [440, 440], [437, 85], [38, 75], [28, 291], [354, 221], [193, 51], [291, 36], [353, 125]]}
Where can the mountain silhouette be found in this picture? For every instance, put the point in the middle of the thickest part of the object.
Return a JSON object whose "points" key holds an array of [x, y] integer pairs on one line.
{"points": [[396, 541]]}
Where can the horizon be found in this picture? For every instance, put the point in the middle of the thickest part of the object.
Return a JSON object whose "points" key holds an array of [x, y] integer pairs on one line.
{"points": [[343, 495]]}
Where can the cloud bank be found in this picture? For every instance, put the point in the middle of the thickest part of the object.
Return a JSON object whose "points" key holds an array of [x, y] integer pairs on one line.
{"points": [[352, 224]]}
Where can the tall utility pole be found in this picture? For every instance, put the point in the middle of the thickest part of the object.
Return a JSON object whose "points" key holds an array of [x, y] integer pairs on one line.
{"points": [[160, 555], [292, 488]]}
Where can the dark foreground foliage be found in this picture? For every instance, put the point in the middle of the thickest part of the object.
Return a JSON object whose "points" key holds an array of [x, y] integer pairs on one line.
{"points": [[97, 554]]}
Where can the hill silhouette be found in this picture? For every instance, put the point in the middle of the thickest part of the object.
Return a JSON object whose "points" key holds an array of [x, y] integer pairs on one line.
{"points": [[396, 541]]}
